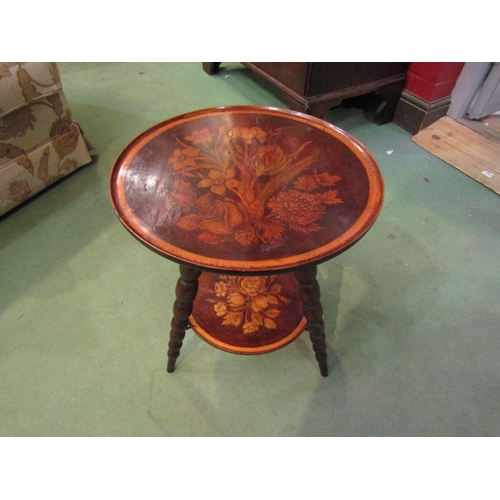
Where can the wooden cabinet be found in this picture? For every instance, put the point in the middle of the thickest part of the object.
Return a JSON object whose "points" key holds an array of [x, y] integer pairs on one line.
{"points": [[315, 88]]}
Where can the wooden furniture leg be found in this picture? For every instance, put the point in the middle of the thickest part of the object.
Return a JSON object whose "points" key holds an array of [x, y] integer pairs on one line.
{"points": [[390, 99], [185, 293], [310, 293], [211, 67], [318, 109]]}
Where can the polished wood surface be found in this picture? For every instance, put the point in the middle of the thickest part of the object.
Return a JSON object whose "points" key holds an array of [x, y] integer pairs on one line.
{"points": [[248, 200], [246, 189], [248, 314], [316, 87]]}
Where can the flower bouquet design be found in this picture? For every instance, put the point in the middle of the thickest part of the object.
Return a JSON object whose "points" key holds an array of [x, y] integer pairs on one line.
{"points": [[247, 185], [249, 302]]}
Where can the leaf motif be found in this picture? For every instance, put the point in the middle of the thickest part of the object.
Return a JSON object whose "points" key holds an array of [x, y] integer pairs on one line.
{"points": [[16, 124], [272, 313], [182, 186], [19, 191], [43, 167], [250, 327], [65, 143], [269, 323], [300, 149], [205, 202], [284, 178], [272, 299], [299, 167], [259, 134], [306, 183], [329, 197], [245, 236], [233, 318], [284, 299], [185, 201], [68, 165], [216, 226], [325, 179], [259, 303], [54, 72], [56, 103], [189, 222], [257, 318], [5, 69], [26, 163], [26, 83], [272, 229]]}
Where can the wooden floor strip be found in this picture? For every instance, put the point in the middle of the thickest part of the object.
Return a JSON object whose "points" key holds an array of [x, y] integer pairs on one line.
{"points": [[464, 149]]}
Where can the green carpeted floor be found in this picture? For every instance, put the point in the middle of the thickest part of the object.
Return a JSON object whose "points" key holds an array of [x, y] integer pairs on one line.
{"points": [[411, 311]]}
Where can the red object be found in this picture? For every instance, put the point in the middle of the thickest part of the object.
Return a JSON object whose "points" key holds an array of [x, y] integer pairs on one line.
{"points": [[432, 81]]}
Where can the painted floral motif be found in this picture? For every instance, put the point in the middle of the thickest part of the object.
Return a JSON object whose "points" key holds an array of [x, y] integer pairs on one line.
{"points": [[254, 185], [250, 302]]}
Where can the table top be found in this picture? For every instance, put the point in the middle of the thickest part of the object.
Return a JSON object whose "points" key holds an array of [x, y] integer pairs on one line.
{"points": [[246, 189]]}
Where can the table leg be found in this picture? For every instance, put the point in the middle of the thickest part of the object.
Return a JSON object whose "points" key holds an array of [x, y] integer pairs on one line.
{"points": [[185, 293], [313, 311]]}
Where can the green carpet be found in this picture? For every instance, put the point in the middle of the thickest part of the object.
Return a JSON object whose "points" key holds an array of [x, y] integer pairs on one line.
{"points": [[411, 311]]}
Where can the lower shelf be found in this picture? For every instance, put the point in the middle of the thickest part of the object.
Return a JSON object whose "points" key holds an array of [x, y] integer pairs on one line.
{"points": [[248, 314]]}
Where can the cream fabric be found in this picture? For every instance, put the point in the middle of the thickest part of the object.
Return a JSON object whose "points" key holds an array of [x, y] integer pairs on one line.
{"points": [[39, 141]]}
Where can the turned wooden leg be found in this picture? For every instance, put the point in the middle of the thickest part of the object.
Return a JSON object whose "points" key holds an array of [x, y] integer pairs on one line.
{"points": [[309, 292], [185, 293]]}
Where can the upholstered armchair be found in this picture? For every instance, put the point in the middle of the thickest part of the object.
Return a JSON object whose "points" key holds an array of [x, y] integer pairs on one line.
{"points": [[39, 141]]}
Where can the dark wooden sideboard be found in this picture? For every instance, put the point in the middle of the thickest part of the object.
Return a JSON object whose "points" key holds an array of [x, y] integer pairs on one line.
{"points": [[316, 87]]}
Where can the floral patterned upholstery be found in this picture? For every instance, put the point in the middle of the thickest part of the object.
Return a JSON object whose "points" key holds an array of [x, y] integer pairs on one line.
{"points": [[39, 141]]}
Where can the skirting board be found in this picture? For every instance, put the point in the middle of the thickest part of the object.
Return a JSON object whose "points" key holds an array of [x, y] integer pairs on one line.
{"points": [[464, 149], [414, 114]]}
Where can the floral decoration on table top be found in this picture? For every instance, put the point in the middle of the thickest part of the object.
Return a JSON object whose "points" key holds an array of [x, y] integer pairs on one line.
{"points": [[247, 185]]}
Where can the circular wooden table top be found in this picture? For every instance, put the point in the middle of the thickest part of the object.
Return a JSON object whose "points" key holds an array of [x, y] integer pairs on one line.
{"points": [[246, 189]]}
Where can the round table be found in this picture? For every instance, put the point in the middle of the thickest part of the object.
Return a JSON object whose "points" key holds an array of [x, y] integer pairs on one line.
{"points": [[248, 200]]}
